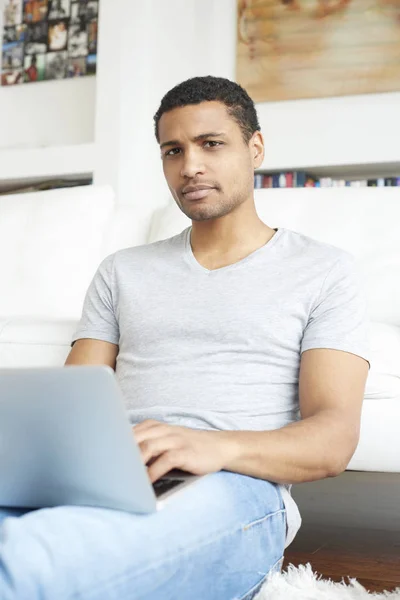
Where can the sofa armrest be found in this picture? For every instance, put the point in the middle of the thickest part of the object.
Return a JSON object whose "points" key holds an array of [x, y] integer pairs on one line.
{"points": [[33, 342]]}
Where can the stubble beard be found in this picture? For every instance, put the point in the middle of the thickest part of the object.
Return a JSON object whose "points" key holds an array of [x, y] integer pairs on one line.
{"points": [[205, 211]]}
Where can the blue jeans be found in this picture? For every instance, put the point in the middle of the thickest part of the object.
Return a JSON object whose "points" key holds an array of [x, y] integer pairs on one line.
{"points": [[218, 539]]}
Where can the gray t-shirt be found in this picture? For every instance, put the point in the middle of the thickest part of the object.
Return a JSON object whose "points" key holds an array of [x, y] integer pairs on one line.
{"points": [[221, 349]]}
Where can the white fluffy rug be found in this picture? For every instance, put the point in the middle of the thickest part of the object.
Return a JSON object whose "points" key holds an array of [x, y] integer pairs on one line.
{"points": [[300, 583]]}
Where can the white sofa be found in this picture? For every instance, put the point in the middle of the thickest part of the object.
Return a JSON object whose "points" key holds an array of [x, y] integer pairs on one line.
{"points": [[52, 242]]}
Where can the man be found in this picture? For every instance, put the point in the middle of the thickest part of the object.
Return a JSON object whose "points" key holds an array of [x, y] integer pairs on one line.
{"points": [[219, 336]]}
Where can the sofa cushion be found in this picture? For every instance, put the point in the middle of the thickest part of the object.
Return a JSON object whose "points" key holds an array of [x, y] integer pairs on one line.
{"points": [[51, 244], [34, 342], [384, 376], [382, 387], [379, 445], [385, 348]]}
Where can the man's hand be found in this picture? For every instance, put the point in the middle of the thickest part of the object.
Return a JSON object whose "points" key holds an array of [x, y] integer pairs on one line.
{"points": [[169, 447]]}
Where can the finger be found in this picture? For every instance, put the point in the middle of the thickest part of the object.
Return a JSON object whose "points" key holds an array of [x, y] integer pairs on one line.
{"points": [[157, 446], [152, 431], [142, 430], [168, 461], [147, 424]]}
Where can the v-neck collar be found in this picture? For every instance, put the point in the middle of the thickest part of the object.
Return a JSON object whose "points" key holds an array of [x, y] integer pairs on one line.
{"points": [[191, 259]]}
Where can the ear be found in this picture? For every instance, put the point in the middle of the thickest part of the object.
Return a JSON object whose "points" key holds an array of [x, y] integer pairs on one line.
{"points": [[256, 145]]}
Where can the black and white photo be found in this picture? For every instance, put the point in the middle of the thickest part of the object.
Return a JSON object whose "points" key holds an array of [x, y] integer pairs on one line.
{"points": [[12, 12], [36, 38], [59, 9], [56, 65], [78, 41], [14, 34], [92, 10]]}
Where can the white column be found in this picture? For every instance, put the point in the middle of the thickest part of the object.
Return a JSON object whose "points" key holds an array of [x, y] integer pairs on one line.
{"points": [[145, 48]]}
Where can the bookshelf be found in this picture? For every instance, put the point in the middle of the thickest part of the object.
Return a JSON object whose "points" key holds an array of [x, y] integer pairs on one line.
{"points": [[383, 174]]}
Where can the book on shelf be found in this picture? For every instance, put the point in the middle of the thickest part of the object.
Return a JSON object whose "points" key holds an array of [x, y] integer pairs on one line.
{"points": [[296, 179], [284, 180]]}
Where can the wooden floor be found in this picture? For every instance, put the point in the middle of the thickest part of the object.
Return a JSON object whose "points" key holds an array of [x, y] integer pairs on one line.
{"points": [[372, 557]]}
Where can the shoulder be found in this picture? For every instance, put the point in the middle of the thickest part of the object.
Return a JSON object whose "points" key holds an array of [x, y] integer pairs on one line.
{"points": [[151, 250], [145, 254], [314, 253]]}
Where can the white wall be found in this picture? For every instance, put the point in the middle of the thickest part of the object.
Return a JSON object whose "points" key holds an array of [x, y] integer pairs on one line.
{"points": [[331, 131], [157, 45], [47, 113]]}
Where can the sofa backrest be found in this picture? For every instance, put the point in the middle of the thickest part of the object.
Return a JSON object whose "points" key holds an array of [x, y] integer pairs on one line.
{"points": [[363, 221], [50, 246]]}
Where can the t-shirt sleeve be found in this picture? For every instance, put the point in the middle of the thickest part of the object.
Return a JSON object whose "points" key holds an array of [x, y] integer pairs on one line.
{"points": [[338, 320], [98, 319]]}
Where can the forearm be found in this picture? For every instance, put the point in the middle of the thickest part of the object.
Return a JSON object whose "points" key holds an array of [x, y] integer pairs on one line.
{"points": [[311, 449]]}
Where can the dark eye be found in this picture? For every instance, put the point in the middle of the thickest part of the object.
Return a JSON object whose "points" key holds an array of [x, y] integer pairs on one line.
{"points": [[213, 144], [172, 152]]}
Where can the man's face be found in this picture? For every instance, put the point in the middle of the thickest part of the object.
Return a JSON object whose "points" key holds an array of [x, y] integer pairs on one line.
{"points": [[207, 164]]}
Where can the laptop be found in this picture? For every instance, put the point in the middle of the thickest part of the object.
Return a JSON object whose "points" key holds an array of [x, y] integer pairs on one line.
{"points": [[65, 439]]}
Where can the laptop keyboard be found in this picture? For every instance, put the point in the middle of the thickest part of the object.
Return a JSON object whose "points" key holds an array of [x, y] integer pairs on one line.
{"points": [[164, 485]]}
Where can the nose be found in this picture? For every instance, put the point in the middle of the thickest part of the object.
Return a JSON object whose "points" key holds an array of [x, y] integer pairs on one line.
{"points": [[192, 164]]}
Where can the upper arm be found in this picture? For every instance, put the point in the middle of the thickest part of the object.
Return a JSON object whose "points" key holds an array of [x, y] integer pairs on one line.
{"points": [[331, 388], [333, 382], [93, 352], [96, 339], [335, 345], [334, 353]]}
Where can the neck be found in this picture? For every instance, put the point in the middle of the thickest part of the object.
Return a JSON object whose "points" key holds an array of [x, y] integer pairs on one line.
{"points": [[231, 234]]}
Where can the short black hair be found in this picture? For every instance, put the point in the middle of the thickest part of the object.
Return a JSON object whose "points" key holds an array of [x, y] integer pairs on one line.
{"points": [[206, 89]]}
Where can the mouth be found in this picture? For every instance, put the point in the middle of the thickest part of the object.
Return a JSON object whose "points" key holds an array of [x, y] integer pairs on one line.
{"points": [[197, 193]]}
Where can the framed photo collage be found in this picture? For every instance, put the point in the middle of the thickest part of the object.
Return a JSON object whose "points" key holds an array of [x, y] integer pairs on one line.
{"points": [[48, 39]]}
